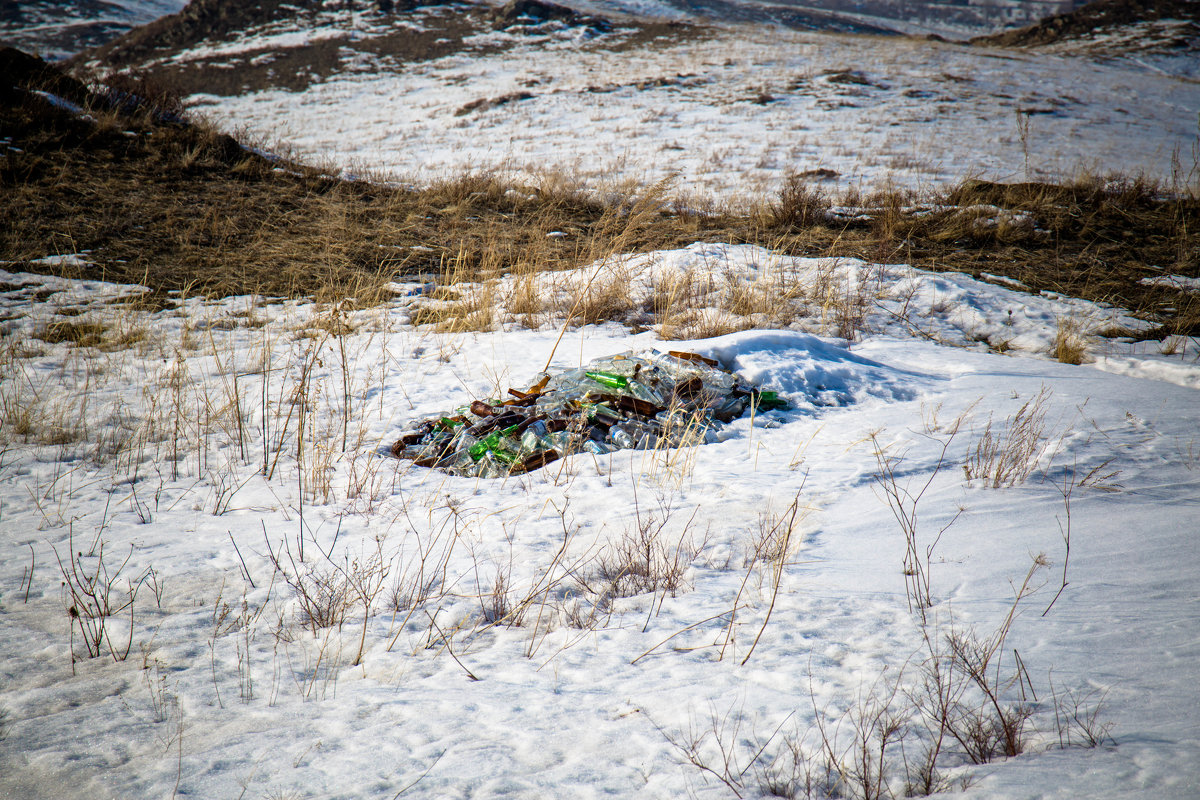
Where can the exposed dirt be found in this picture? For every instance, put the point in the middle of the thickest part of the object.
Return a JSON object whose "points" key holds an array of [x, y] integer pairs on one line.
{"points": [[391, 36], [151, 50]]}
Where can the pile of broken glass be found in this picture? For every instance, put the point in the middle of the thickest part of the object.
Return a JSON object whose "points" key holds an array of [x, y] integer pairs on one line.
{"points": [[636, 401]]}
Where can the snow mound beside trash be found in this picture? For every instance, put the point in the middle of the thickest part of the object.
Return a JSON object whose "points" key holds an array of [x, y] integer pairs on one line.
{"points": [[806, 371]]}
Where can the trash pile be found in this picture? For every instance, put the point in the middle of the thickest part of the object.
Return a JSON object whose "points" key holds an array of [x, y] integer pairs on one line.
{"points": [[645, 401]]}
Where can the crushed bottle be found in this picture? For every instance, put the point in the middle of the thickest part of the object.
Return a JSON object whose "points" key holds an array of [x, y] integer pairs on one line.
{"points": [[630, 401]]}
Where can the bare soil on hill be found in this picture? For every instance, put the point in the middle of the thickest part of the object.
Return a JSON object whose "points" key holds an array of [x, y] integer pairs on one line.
{"points": [[395, 35], [148, 198]]}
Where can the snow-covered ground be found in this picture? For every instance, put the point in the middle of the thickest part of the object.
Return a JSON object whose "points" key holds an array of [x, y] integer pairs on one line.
{"points": [[170, 453], [731, 113]]}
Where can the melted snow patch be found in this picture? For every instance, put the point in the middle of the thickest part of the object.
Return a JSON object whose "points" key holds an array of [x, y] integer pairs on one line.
{"points": [[1173, 282], [68, 260]]}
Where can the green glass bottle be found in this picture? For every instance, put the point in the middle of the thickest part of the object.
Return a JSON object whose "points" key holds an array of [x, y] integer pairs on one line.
{"points": [[609, 379]]}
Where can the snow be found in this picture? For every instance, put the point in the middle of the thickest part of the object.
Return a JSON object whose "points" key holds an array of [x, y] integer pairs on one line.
{"points": [[1174, 282], [281, 40], [67, 260], [795, 364], [157, 448], [920, 113]]}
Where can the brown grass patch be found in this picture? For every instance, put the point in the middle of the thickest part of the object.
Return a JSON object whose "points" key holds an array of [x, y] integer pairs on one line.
{"points": [[81, 333], [1070, 341], [183, 207]]}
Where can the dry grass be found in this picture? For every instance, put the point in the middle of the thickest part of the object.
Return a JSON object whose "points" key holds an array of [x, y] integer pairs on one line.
{"points": [[1094, 238], [641, 562], [175, 205], [799, 205], [825, 296], [1071, 339], [81, 333], [1009, 457]]}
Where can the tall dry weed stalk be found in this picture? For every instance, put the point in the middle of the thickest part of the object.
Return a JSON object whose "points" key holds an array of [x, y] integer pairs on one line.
{"points": [[1008, 457], [904, 499], [95, 594]]}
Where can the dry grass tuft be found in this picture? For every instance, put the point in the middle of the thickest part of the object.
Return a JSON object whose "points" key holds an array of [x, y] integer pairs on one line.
{"points": [[1008, 458], [1071, 339], [800, 205], [81, 333]]}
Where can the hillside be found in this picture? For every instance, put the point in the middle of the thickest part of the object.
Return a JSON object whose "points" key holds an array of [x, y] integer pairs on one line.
{"points": [[598, 408], [59, 29], [215, 47], [957, 548], [160, 201], [1164, 34], [954, 20], [1095, 19], [725, 111]]}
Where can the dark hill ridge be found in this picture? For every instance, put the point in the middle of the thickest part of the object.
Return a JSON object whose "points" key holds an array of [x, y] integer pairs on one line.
{"points": [[24, 73], [381, 35], [219, 20], [164, 48], [538, 12], [1098, 17]]}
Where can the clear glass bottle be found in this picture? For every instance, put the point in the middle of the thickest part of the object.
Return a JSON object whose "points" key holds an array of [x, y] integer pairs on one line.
{"points": [[621, 437]]}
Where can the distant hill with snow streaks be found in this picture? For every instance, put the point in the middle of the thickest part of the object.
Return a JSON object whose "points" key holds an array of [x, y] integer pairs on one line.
{"points": [[1160, 34], [59, 29]]}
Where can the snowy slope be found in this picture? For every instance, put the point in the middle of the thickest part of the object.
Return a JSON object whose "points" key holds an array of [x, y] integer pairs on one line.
{"points": [[1162, 35], [160, 444], [731, 113], [723, 109], [1170, 46]]}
